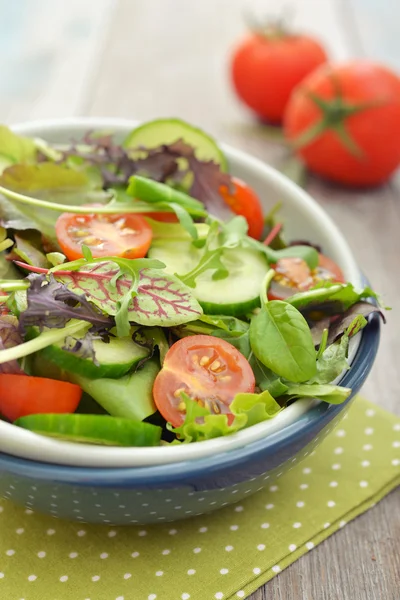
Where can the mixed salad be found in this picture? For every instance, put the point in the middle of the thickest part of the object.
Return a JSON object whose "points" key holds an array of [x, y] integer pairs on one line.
{"points": [[146, 299]]}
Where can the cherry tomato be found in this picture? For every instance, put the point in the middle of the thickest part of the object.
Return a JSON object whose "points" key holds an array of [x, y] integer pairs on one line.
{"points": [[210, 371], [344, 121], [293, 275], [126, 235], [266, 68], [163, 217], [244, 201], [22, 395]]}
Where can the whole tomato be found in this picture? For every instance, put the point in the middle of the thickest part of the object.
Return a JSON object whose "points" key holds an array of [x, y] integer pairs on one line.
{"points": [[267, 65], [344, 121]]}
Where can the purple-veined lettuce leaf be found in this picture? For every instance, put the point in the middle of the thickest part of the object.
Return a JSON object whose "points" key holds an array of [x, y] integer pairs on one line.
{"points": [[160, 299], [10, 336], [51, 304]]}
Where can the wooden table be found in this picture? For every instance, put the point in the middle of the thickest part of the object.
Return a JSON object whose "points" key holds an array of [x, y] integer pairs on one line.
{"points": [[142, 59]]}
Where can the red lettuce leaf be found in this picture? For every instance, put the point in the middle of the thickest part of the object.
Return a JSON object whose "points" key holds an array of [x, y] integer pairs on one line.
{"points": [[51, 304], [10, 336]]}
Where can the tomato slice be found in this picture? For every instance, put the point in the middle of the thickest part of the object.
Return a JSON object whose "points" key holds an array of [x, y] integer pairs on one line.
{"points": [[293, 275], [210, 371], [22, 395], [244, 201], [126, 235]]}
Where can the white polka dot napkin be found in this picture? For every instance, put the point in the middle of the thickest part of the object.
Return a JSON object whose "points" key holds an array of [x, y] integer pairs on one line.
{"points": [[224, 555]]}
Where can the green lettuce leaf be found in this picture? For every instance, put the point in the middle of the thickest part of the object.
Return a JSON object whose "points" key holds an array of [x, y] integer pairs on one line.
{"points": [[333, 394], [16, 147], [248, 409]]}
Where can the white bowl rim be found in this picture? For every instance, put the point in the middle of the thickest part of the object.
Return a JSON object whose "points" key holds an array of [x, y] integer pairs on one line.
{"points": [[26, 444]]}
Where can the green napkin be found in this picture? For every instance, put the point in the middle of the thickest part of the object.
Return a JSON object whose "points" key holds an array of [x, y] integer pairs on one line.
{"points": [[228, 554]]}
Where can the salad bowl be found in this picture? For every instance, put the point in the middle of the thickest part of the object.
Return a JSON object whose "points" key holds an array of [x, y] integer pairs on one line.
{"points": [[153, 485]]}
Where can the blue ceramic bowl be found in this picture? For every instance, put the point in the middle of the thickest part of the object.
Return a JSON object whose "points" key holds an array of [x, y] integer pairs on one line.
{"points": [[210, 474], [180, 490]]}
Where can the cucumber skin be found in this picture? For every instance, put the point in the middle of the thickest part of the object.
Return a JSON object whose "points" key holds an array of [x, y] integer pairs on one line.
{"points": [[223, 163], [67, 361], [86, 367], [130, 432], [230, 310]]}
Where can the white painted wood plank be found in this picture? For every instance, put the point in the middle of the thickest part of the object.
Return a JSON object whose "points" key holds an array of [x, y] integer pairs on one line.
{"points": [[49, 50], [166, 58], [378, 27]]}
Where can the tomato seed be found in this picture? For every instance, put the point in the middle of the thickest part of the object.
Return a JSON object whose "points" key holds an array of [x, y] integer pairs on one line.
{"points": [[204, 361], [215, 366]]}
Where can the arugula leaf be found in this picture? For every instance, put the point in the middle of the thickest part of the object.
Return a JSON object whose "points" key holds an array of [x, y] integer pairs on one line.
{"points": [[220, 237], [307, 253], [333, 394], [16, 147], [281, 339], [248, 409], [270, 223]]}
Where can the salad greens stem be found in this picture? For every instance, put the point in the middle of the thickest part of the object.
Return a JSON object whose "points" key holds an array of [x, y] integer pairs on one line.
{"points": [[42, 341], [265, 286], [112, 208], [12, 286]]}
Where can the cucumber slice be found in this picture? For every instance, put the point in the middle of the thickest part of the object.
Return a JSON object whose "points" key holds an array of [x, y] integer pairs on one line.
{"points": [[235, 295], [115, 358], [93, 429], [166, 131], [130, 397]]}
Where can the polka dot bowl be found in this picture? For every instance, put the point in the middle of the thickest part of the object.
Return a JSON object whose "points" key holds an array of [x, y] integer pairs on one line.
{"points": [[151, 492]]}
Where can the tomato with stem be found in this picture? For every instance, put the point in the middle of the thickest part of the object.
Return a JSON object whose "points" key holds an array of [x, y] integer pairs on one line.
{"points": [[344, 121], [208, 369], [293, 275], [244, 201], [22, 395], [125, 235]]}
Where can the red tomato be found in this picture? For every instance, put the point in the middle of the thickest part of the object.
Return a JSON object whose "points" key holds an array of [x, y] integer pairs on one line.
{"points": [[164, 217], [126, 235], [345, 121], [210, 371], [266, 68], [22, 395], [293, 275], [244, 201]]}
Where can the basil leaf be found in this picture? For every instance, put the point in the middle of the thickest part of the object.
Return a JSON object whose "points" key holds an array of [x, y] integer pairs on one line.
{"points": [[281, 339]]}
